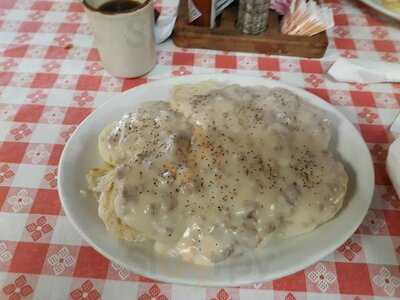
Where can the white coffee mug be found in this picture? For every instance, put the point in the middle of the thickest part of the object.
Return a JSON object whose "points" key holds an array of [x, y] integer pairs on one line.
{"points": [[125, 40]]}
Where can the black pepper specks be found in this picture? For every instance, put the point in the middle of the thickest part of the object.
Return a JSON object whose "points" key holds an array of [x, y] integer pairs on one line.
{"points": [[235, 149]]}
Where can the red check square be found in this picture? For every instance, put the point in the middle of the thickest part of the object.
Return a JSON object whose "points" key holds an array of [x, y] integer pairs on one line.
{"points": [[46, 202], [323, 93], [88, 82], [311, 66], [28, 258], [91, 264], [397, 96], [41, 5], [385, 46], [93, 55], [76, 7], [183, 58], [268, 64], [75, 115], [392, 218], [54, 52], [29, 26], [381, 176], [5, 78], [16, 51], [294, 282], [374, 133], [29, 113], [55, 154], [7, 4], [68, 28], [3, 194], [225, 62], [353, 278], [347, 44], [130, 83], [373, 21], [12, 152], [43, 80], [341, 20], [362, 98]]}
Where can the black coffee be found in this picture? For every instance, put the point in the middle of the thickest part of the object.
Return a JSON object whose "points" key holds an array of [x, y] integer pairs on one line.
{"points": [[119, 6]]}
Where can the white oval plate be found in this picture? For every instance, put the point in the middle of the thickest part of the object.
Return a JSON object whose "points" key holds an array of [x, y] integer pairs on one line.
{"points": [[280, 258], [375, 4]]}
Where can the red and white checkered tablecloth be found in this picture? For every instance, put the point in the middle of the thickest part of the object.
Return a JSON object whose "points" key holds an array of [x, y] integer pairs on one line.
{"points": [[51, 79]]}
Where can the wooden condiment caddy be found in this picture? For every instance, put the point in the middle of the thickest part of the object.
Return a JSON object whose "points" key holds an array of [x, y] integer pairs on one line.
{"points": [[226, 37]]}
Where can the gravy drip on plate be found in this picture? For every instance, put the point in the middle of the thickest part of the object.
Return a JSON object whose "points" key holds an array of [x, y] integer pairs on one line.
{"points": [[220, 172]]}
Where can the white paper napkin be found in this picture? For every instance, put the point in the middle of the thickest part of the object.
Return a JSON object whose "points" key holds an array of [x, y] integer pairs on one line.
{"points": [[364, 71], [164, 27]]}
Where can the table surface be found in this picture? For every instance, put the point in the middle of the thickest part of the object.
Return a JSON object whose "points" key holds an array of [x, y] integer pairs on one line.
{"points": [[51, 79]]}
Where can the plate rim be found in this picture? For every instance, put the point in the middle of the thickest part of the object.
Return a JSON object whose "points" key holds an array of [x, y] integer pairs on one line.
{"points": [[382, 9], [210, 283]]}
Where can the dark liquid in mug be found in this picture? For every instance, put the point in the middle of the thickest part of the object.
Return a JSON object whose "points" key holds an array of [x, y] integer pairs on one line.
{"points": [[119, 6]]}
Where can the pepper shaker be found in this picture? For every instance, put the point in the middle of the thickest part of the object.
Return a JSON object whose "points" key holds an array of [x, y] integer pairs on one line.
{"points": [[252, 16]]}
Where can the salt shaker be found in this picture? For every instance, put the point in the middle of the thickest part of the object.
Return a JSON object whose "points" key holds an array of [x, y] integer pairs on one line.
{"points": [[253, 16]]}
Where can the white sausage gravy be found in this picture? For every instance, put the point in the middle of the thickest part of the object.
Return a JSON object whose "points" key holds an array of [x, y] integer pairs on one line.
{"points": [[217, 172]]}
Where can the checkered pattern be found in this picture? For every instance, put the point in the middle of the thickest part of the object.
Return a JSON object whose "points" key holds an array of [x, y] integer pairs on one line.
{"points": [[51, 79]]}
